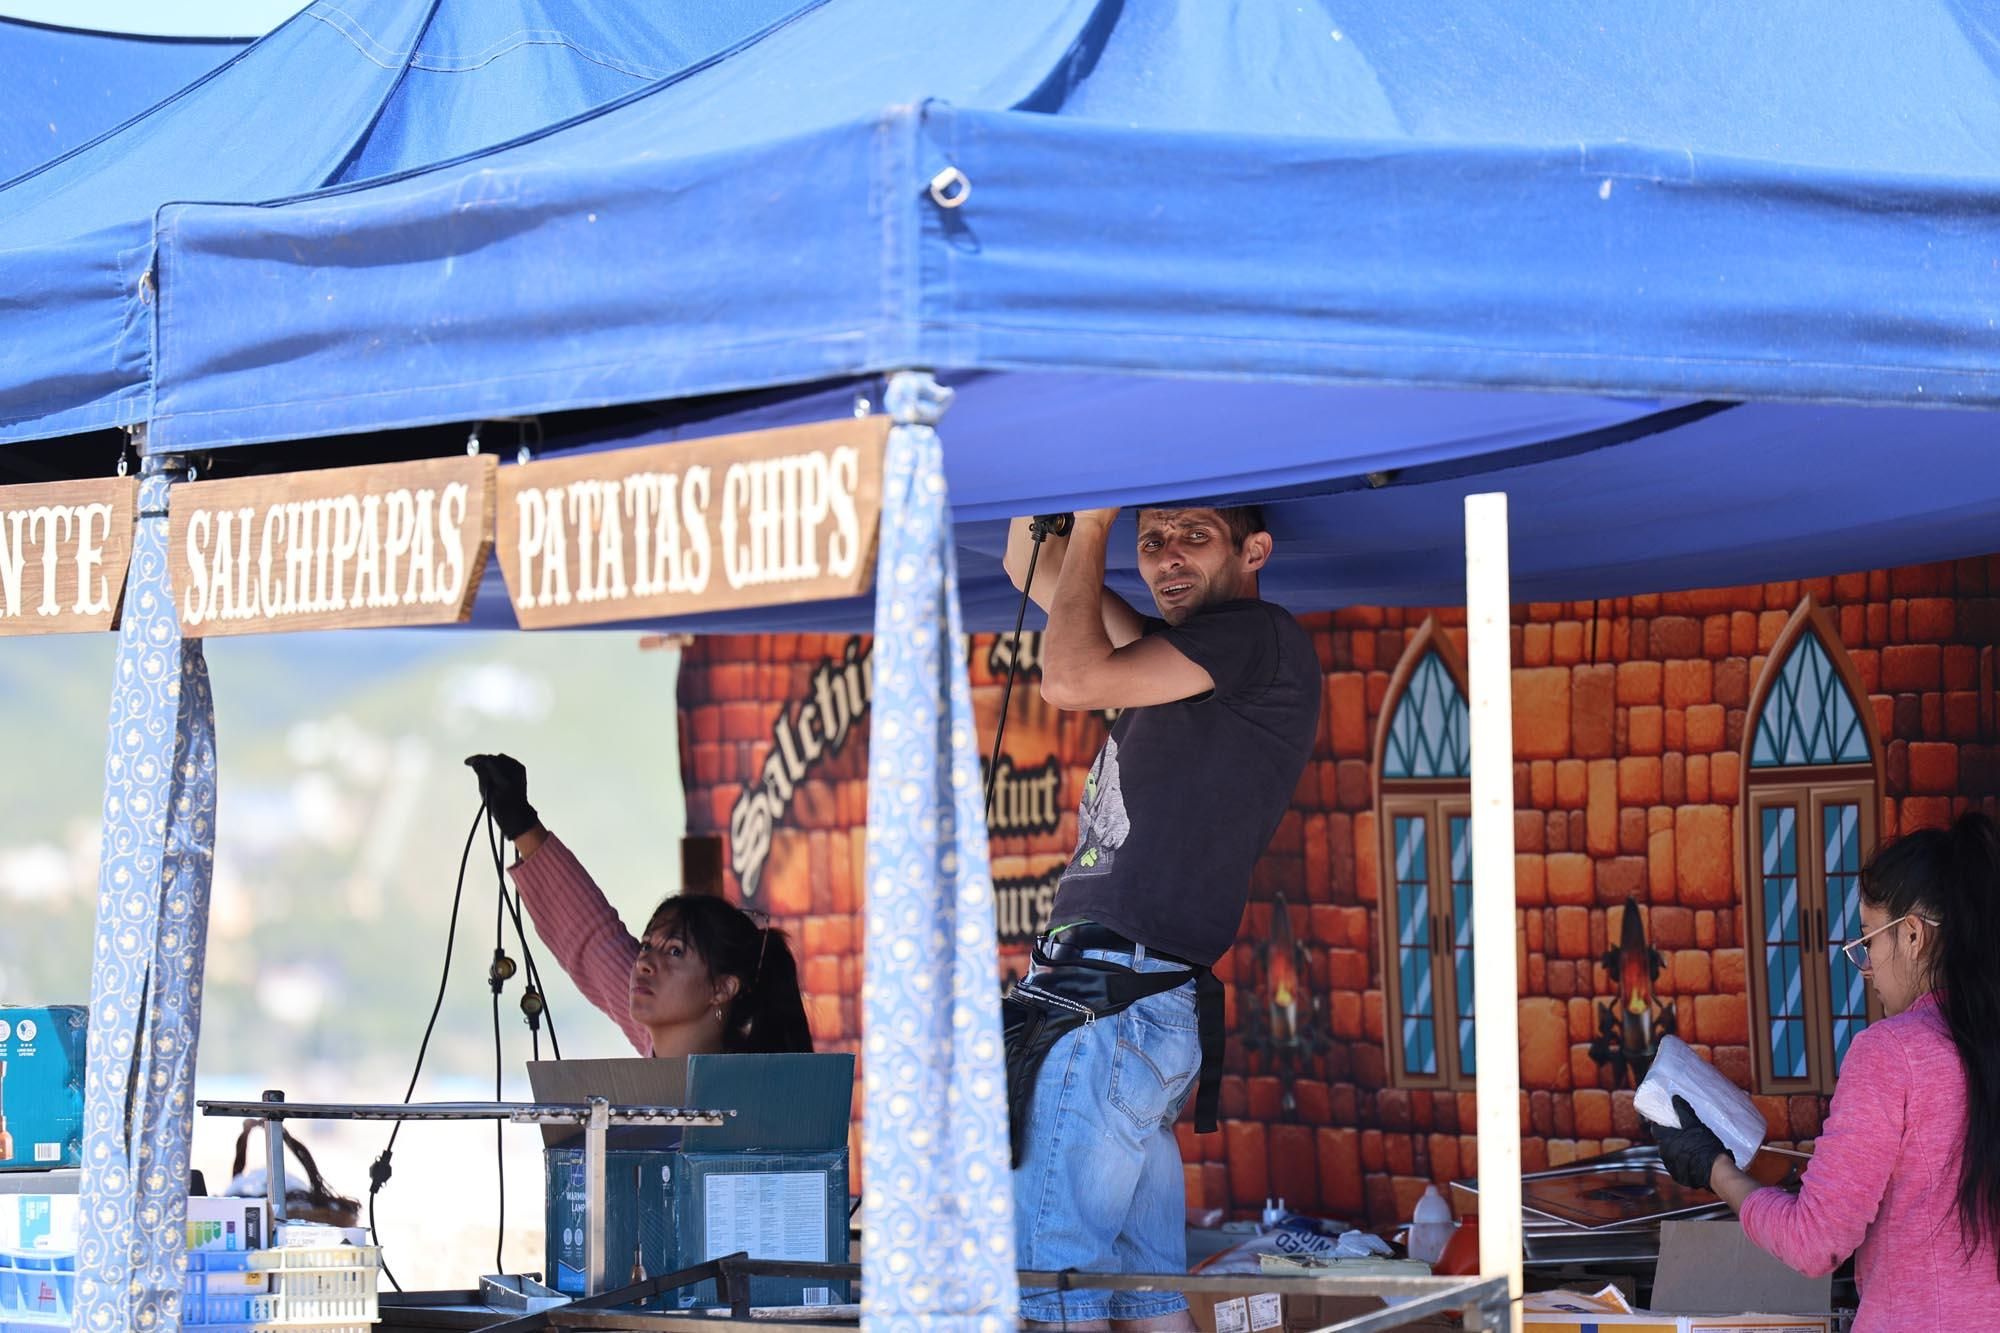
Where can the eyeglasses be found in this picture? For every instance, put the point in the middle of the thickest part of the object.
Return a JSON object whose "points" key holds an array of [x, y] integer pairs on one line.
{"points": [[1857, 949]]}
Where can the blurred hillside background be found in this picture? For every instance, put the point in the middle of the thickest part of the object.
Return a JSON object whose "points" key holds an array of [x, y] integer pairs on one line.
{"points": [[343, 809]]}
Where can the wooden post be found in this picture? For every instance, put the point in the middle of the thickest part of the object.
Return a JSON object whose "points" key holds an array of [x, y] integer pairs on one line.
{"points": [[1489, 672]]}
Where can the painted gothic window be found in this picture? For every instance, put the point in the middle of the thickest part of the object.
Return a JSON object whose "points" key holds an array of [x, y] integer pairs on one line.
{"points": [[1424, 811], [1809, 756]]}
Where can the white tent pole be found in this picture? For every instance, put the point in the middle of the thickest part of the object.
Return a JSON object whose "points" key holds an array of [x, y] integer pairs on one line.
{"points": [[1490, 671]]}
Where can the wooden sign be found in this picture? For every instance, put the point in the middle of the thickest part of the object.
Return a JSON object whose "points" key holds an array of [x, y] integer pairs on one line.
{"points": [[675, 529], [343, 548], [64, 547]]}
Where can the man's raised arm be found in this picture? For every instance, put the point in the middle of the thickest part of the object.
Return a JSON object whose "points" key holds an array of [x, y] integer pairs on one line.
{"points": [[1121, 622]]}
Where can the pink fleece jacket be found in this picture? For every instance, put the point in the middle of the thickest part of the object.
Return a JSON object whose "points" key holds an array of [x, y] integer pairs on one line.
{"points": [[1883, 1181], [577, 923]]}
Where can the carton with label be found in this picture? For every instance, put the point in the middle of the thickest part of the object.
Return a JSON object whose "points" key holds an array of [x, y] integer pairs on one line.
{"points": [[1573, 1312], [39, 1222], [41, 1086], [771, 1182], [226, 1226], [1290, 1312]]}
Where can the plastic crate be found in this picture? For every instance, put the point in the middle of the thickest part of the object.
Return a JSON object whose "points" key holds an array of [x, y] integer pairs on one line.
{"points": [[329, 1290], [37, 1286]]}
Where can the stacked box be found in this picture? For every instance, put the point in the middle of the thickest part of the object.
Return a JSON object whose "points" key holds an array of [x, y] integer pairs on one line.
{"points": [[773, 1181], [639, 1215], [772, 1205], [41, 1086]]}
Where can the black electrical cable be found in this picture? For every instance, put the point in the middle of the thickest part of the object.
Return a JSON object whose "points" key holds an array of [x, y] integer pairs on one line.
{"points": [[378, 1170], [539, 1012], [500, 975], [1039, 528]]}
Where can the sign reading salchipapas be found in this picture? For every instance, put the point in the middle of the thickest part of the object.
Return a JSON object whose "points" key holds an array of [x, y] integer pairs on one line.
{"points": [[343, 548], [706, 525], [63, 552]]}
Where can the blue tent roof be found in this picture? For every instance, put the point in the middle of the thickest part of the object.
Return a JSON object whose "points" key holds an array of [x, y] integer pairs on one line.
{"points": [[1763, 203], [65, 87], [1211, 249], [339, 92]]}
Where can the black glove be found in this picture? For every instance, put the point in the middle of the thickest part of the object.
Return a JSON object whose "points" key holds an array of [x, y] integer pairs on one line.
{"points": [[503, 785], [1690, 1150]]}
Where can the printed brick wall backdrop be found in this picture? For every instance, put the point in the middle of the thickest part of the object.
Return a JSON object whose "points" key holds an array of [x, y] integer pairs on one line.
{"points": [[1629, 720]]}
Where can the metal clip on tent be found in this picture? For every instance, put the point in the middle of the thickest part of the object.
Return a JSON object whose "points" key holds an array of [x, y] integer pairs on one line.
{"points": [[596, 1116], [950, 188]]}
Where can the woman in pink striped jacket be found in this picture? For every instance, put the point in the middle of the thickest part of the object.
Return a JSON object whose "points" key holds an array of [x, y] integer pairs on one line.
{"points": [[1905, 1175], [704, 978]]}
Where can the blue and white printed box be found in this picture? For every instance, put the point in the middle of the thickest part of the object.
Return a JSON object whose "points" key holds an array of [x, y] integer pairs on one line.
{"points": [[41, 1086]]}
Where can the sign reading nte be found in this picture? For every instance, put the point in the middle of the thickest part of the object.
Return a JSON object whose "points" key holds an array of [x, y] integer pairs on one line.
{"points": [[64, 547], [707, 525], [344, 548]]}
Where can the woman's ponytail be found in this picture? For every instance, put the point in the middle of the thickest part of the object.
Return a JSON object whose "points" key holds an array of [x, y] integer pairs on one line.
{"points": [[770, 1012], [1968, 980]]}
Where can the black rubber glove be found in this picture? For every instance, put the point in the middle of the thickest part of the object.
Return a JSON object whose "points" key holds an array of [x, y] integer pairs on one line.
{"points": [[503, 785], [1689, 1151]]}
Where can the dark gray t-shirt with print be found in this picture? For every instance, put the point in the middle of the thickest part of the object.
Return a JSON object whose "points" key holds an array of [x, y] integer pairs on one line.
{"points": [[1184, 796]]}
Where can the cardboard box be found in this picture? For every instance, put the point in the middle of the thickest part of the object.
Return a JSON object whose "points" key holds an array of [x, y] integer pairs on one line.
{"points": [[1648, 1322], [1571, 1312], [1289, 1312], [638, 1221], [229, 1225], [41, 1086], [227, 1222], [1712, 1268], [41, 1222], [772, 1181]]}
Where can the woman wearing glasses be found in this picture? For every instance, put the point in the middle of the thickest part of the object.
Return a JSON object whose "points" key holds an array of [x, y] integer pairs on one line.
{"points": [[1905, 1175], [705, 978]]}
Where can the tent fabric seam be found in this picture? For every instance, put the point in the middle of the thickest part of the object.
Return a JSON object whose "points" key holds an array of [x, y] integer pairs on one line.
{"points": [[334, 190], [1537, 353], [357, 36], [815, 339], [826, 338], [532, 37]]}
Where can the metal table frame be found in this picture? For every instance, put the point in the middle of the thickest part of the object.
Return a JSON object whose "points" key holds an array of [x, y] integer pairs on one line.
{"points": [[1482, 1300], [596, 1115]]}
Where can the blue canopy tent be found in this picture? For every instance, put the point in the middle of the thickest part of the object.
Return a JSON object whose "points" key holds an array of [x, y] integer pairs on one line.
{"points": [[1355, 259], [395, 84], [1195, 224], [65, 86]]}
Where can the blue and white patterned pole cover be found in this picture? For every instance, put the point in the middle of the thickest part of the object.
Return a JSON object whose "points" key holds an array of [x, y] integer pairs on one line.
{"points": [[938, 1221], [152, 935]]}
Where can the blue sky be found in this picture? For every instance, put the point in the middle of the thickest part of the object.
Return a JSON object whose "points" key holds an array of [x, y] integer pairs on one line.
{"points": [[159, 18]]}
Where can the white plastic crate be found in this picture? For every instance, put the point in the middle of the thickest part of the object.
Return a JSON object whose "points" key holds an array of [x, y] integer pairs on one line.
{"points": [[324, 1289], [331, 1287]]}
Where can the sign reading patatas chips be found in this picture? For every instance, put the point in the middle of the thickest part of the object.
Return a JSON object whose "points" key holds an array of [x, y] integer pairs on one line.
{"points": [[343, 548], [707, 525]]}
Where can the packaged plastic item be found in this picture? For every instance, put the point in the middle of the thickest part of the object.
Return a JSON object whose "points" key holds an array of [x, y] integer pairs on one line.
{"points": [[1725, 1108], [41, 1086]]}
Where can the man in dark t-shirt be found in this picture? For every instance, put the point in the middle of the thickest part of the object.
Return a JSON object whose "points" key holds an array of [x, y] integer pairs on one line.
{"points": [[1221, 703]]}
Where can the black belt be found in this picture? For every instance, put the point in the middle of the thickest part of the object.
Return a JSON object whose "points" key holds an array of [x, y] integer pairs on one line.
{"points": [[1064, 945]]}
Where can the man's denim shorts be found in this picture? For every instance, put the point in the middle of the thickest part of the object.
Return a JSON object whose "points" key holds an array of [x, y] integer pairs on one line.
{"points": [[1099, 1188]]}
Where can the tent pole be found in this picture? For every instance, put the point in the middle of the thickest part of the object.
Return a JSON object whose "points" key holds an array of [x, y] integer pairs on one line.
{"points": [[1490, 675], [151, 942]]}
